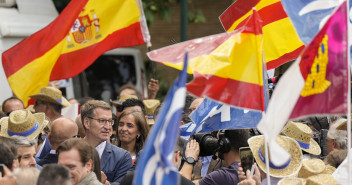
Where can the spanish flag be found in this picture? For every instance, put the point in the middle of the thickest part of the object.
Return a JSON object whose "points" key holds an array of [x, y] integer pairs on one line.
{"points": [[72, 42], [281, 42], [227, 67]]}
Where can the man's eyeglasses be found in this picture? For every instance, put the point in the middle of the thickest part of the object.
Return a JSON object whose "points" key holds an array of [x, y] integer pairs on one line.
{"points": [[104, 121]]}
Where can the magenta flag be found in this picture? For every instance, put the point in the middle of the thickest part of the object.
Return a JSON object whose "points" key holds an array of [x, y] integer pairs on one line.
{"points": [[325, 72]]}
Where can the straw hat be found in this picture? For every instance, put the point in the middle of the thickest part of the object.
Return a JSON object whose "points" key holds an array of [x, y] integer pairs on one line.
{"points": [[23, 123], [256, 145], [342, 126], [52, 95], [292, 181], [122, 99], [329, 170], [150, 106], [322, 179], [311, 167], [303, 135]]}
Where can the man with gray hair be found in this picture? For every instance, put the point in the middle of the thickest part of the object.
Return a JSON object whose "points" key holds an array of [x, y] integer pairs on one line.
{"points": [[54, 174], [97, 119], [336, 139], [26, 150], [26, 176]]}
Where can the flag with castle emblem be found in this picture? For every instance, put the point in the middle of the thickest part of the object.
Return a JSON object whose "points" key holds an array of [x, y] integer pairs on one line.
{"points": [[317, 83], [72, 42]]}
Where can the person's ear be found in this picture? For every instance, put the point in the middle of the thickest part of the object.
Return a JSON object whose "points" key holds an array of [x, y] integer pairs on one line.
{"points": [[89, 165], [49, 136], [86, 123], [177, 156]]}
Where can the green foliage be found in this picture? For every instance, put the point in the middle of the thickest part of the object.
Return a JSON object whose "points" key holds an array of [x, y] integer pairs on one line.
{"points": [[196, 16]]}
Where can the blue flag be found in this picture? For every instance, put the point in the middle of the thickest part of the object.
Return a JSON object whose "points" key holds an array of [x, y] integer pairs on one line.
{"points": [[211, 116], [308, 16], [155, 166]]}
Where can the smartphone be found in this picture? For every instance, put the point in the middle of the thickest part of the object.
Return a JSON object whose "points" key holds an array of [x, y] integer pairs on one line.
{"points": [[2, 170], [247, 158]]}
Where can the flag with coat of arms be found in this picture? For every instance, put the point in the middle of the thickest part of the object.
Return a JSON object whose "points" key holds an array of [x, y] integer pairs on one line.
{"points": [[83, 31]]}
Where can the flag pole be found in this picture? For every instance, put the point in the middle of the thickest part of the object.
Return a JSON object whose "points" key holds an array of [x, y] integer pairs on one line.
{"points": [[349, 93], [265, 102], [152, 63], [267, 159]]}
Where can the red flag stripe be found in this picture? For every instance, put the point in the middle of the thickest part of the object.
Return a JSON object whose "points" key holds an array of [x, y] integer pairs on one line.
{"points": [[228, 91], [69, 64], [267, 15], [233, 13], [284, 58], [15, 59]]}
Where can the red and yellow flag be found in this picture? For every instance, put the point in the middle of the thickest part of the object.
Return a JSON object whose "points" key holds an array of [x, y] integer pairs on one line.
{"points": [[227, 67], [72, 42], [281, 42]]}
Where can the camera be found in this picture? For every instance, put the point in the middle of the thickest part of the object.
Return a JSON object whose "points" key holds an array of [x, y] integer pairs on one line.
{"points": [[208, 143]]}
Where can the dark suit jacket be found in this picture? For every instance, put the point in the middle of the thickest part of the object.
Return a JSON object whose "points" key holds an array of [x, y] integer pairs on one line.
{"points": [[48, 159], [115, 162]]}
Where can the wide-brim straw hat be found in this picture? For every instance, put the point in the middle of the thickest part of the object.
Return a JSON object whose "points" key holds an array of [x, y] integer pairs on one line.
{"points": [[51, 95], [322, 179], [311, 167], [256, 145], [23, 123], [150, 105], [123, 98], [303, 135], [292, 181]]}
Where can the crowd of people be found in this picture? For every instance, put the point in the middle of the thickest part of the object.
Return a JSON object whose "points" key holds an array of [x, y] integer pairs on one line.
{"points": [[39, 145]]}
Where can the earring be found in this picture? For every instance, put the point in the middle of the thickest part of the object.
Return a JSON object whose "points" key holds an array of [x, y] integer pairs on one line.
{"points": [[138, 136]]}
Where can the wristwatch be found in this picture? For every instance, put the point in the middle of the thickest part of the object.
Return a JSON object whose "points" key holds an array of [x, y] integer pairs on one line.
{"points": [[190, 160]]}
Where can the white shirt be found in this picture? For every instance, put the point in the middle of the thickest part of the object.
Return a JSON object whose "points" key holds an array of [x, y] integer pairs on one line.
{"points": [[100, 148]]}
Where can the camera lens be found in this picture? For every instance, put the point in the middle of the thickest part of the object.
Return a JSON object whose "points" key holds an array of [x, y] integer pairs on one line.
{"points": [[208, 144]]}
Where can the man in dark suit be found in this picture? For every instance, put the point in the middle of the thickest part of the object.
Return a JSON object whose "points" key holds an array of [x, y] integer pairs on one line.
{"points": [[61, 130], [97, 118]]}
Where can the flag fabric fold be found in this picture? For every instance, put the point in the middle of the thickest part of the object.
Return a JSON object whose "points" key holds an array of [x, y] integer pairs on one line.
{"points": [[72, 42], [210, 116], [227, 67], [317, 83], [281, 42], [155, 166], [309, 16]]}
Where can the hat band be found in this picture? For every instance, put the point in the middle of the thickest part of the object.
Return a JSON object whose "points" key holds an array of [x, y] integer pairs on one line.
{"points": [[303, 145], [59, 100], [150, 116], [26, 133], [271, 165]]}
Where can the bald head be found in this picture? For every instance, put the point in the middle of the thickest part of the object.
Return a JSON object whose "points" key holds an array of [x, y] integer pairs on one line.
{"points": [[61, 130], [195, 104]]}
